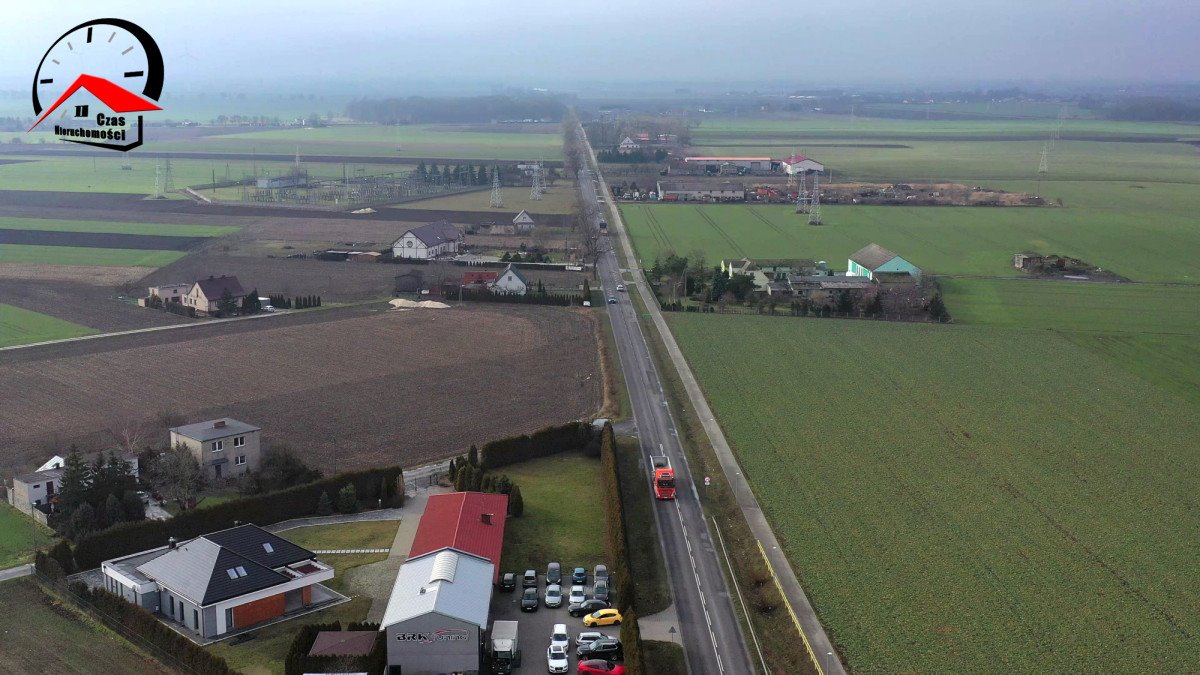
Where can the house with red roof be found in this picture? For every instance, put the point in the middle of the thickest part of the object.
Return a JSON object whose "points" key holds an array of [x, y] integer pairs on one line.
{"points": [[472, 522], [479, 278], [799, 164]]}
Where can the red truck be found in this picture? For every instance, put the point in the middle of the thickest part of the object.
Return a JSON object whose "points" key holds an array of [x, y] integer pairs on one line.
{"points": [[664, 477]]}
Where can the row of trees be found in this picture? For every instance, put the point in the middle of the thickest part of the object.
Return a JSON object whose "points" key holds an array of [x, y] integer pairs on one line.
{"points": [[615, 156], [541, 443], [469, 475], [95, 496], [419, 109], [618, 549], [531, 256], [462, 175]]}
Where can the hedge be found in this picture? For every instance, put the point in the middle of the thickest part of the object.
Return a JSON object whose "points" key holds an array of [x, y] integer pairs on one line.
{"points": [[618, 547], [371, 485], [541, 443], [530, 298]]}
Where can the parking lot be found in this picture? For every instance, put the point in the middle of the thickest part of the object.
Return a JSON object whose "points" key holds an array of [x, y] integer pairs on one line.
{"points": [[536, 627]]}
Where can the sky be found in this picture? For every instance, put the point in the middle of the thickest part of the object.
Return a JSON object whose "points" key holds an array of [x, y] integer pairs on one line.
{"points": [[369, 47]]}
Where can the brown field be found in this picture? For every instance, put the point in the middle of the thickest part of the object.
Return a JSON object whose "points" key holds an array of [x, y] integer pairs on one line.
{"points": [[99, 307], [346, 388], [91, 275]]}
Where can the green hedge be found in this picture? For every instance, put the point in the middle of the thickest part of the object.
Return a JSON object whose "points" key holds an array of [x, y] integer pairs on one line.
{"points": [[371, 485], [618, 547], [544, 442]]}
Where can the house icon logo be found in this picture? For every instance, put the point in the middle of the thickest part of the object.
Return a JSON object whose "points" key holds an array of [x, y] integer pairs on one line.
{"points": [[100, 76]]}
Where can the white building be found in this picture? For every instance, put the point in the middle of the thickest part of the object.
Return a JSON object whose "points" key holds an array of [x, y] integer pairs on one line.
{"points": [[510, 281], [627, 146], [799, 164], [523, 222], [428, 241]]}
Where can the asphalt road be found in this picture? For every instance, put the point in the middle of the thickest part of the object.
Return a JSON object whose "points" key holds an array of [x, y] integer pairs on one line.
{"points": [[711, 635]]}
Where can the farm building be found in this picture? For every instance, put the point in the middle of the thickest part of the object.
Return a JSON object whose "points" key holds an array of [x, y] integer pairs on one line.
{"points": [[511, 282], [873, 258], [765, 271], [523, 222], [1028, 261], [799, 164], [683, 191], [35, 492], [363, 256], [627, 145], [472, 522], [410, 282], [428, 241], [221, 582], [727, 165], [479, 278], [205, 295], [224, 447]]}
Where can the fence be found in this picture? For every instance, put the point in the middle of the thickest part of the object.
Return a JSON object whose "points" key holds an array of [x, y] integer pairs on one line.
{"points": [[784, 309]]}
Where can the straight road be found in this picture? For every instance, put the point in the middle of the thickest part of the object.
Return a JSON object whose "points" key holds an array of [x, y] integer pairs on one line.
{"points": [[711, 635]]}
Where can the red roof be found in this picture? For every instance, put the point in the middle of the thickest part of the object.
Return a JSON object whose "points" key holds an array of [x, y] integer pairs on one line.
{"points": [[795, 159], [479, 277], [118, 99], [456, 520]]}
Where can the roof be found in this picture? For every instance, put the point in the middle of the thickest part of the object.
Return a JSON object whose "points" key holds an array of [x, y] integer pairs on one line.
{"points": [[433, 234], [523, 217], [479, 277], [40, 476], [55, 462], [796, 159], [700, 186], [516, 273], [118, 99], [207, 431], [726, 159], [215, 287], [225, 564], [449, 582], [455, 520], [344, 643], [872, 256]]}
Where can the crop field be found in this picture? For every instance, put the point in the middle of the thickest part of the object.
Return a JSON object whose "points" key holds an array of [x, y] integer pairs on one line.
{"points": [[559, 199], [114, 227], [441, 141], [21, 326], [79, 255], [104, 174], [963, 498], [377, 386]]}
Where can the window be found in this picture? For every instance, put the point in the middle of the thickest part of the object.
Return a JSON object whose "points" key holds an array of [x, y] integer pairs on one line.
{"points": [[196, 619], [241, 571], [267, 547], [218, 446], [229, 619], [37, 486], [240, 460], [239, 441], [171, 601], [232, 573]]}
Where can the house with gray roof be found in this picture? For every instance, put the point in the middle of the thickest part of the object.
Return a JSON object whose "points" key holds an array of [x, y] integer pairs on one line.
{"points": [[428, 241], [224, 447], [221, 582], [205, 295], [510, 282], [872, 258]]}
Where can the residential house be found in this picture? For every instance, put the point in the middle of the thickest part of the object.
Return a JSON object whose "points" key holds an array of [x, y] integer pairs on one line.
{"points": [[479, 279], [34, 493], [205, 295], [428, 241], [764, 272], [627, 146], [225, 447], [221, 582], [511, 282], [170, 292], [523, 222], [873, 258]]}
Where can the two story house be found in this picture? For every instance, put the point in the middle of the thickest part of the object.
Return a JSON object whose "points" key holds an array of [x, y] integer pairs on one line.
{"points": [[225, 447]]}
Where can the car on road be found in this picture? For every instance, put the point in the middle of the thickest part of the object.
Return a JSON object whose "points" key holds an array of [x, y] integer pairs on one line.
{"points": [[599, 667], [612, 300], [529, 580], [529, 600], [508, 582], [577, 596], [554, 573], [586, 607], [602, 617], [557, 660], [554, 595], [600, 591], [559, 636], [587, 637], [606, 648], [579, 575], [621, 288]]}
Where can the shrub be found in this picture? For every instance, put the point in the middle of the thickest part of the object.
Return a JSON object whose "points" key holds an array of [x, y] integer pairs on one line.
{"points": [[348, 499], [324, 505], [516, 504]]}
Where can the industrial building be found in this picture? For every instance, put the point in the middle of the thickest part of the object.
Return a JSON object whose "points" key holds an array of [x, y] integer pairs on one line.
{"points": [[873, 258], [684, 191], [799, 164], [727, 165]]}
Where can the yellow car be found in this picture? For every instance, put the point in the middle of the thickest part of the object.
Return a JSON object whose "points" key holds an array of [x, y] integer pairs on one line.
{"points": [[602, 617]]}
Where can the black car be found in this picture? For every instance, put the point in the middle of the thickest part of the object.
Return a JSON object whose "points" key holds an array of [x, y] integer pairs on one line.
{"points": [[607, 648], [586, 607], [529, 600], [508, 582], [529, 580]]}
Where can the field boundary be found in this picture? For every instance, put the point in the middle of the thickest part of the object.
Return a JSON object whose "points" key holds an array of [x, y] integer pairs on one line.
{"points": [[791, 612], [143, 330]]}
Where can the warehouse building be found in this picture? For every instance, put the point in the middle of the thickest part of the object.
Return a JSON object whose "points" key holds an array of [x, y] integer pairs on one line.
{"points": [[799, 164], [472, 522], [873, 258], [702, 191], [727, 165]]}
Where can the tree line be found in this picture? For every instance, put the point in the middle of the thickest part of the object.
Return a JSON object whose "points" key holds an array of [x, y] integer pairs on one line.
{"points": [[419, 109]]}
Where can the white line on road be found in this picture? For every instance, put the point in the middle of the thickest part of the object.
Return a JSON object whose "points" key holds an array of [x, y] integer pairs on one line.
{"points": [[699, 589]]}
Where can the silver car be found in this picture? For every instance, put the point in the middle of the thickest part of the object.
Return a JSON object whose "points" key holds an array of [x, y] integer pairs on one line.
{"points": [[554, 596], [577, 595]]}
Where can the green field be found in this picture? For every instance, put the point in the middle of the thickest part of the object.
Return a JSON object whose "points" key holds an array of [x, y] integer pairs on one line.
{"points": [[163, 229], [73, 255], [559, 199], [442, 141], [20, 536], [21, 326], [104, 174], [54, 638], [561, 495], [961, 498]]}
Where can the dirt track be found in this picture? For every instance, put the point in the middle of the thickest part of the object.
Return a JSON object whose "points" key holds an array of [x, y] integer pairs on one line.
{"points": [[356, 387]]}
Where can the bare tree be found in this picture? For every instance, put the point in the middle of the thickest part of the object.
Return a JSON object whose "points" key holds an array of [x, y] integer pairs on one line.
{"points": [[130, 437], [178, 476]]}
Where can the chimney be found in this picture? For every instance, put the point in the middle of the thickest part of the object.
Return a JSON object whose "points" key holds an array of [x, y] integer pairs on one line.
{"points": [[486, 518], [219, 424], [171, 543], [237, 523]]}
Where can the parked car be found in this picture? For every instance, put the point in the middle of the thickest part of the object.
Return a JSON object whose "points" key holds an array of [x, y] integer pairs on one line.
{"points": [[612, 300], [508, 582], [556, 659], [602, 617], [600, 573], [554, 595], [588, 636], [529, 580], [579, 575], [600, 591], [599, 667], [558, 636], [577, 596], [586, 607], [554, 573], [529, 600], [606, 648]]}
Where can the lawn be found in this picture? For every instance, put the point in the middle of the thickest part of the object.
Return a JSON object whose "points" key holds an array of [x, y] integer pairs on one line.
{"points": [[966, 498], [47, 636], [561, 520], [365, 534], [20, 536], [557, 200], [163, 229], [73, 255], [20, 326]]}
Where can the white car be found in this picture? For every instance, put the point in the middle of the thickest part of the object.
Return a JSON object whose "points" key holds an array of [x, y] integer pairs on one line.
{"points": [[553, 595], [577, 595], [556, 659], [621, 287], [559, 637], [587, 637]]}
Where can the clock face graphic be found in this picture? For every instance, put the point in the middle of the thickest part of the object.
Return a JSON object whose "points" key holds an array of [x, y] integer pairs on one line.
{"points": [[118, 66]]}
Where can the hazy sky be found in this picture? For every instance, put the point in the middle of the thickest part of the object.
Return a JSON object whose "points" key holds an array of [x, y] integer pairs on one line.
{"points": [[376, 47]]}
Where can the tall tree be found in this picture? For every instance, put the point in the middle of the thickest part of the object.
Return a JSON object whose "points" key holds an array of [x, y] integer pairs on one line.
{"points": [[251, 304], [227, 305], [516, 505], [178, 476], [76, 481]]}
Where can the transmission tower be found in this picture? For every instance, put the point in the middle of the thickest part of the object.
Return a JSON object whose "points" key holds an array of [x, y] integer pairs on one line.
{"points": [[535, 191], [814, 205], [168, 177], [497, 198], [158, 179], [802, 195], [1043, 166]]}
